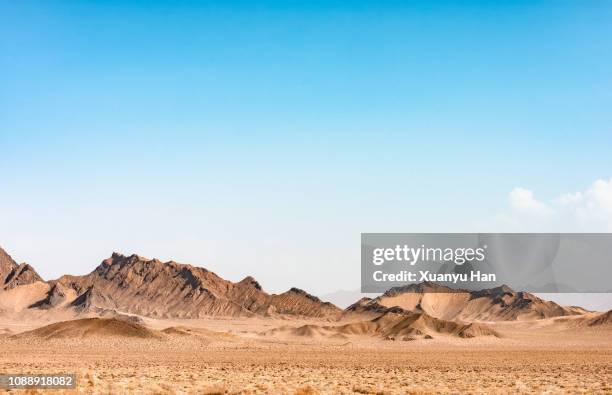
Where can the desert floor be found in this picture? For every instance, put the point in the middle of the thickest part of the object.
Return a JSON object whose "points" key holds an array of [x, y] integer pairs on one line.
{"points": [[240, 361]]}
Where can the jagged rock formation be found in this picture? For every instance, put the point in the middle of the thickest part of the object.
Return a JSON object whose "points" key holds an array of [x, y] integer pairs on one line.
{"points": [[371, 307], [7, 265], [153, 288], [23, 274], [56, 296], [13, 275], [495, 304], [93, 300], [149, 287]]}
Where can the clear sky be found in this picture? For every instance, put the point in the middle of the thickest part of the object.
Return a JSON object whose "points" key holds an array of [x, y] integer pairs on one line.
{"points": [[261, 138]]}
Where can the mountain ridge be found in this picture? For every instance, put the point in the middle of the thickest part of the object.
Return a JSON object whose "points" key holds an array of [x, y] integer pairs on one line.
{"points": [[149, 287], [153, 288], [493, 304]]}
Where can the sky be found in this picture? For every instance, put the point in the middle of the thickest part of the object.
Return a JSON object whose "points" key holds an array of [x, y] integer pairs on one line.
{"points": [[261, 138]]}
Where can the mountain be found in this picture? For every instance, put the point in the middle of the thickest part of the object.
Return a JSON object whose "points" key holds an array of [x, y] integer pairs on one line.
{"points": [[93, 300], [117, 327], [395, 325], [297, 301], [495, 304], [21, 275], [149, 287], [603, 319], [7, 265], [392, 325], [13, 275], [54, 297], [90, 328]]}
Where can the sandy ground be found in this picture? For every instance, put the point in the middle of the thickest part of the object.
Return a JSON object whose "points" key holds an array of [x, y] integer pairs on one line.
{"points": [[240, 361]]}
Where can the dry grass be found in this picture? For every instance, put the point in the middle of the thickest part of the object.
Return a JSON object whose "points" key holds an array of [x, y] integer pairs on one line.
{"points": [[201, 357], [193, 367]]}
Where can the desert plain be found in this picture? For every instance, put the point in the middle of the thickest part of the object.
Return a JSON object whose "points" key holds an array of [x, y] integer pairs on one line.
{"points": [[225, 356], [141, 326]]}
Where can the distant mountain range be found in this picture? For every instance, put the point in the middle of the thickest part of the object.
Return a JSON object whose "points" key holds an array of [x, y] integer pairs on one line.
{"points": [[495, 304], [148, 287]]}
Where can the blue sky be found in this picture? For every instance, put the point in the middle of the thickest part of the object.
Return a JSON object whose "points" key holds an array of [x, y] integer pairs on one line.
{"points": [[263, 137]]}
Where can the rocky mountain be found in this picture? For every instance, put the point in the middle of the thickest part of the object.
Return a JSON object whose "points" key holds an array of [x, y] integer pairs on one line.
{"points": [[7, 265], [393, 324], [405, 326], [23, 274], [495, 304], [13, 274], [57, 295], [149, 287]]}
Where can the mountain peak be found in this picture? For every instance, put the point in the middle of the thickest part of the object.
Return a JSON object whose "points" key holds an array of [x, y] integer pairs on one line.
{"points": [[250, 281], [424, 287], [7, 265], [117, 255], [304, 293], [20, 275], [502, 289]]}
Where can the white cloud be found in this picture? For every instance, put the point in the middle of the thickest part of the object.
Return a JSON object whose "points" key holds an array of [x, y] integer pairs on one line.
{"points": [[582, 211], [591, 207], [522, 200]]}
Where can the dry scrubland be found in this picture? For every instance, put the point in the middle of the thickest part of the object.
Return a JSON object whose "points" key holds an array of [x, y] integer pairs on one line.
{"points": [[137, 325], [203, 360]]}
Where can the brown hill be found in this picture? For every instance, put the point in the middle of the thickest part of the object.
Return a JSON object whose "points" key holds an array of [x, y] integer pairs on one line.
{"points": [[394, 326], [153, 288], [371, 307], [93, 300], [495, 304], [13, 275], [182, 331], [56, 296], [297, 301], [603, 319], [90, 328], [592, 320], [20, 298]]}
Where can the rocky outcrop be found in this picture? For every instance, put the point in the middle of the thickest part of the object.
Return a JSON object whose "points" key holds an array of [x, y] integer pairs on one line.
{"points": [[56, 296], [13, 275], [495, 304], [21, 275], [149, 287]]}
